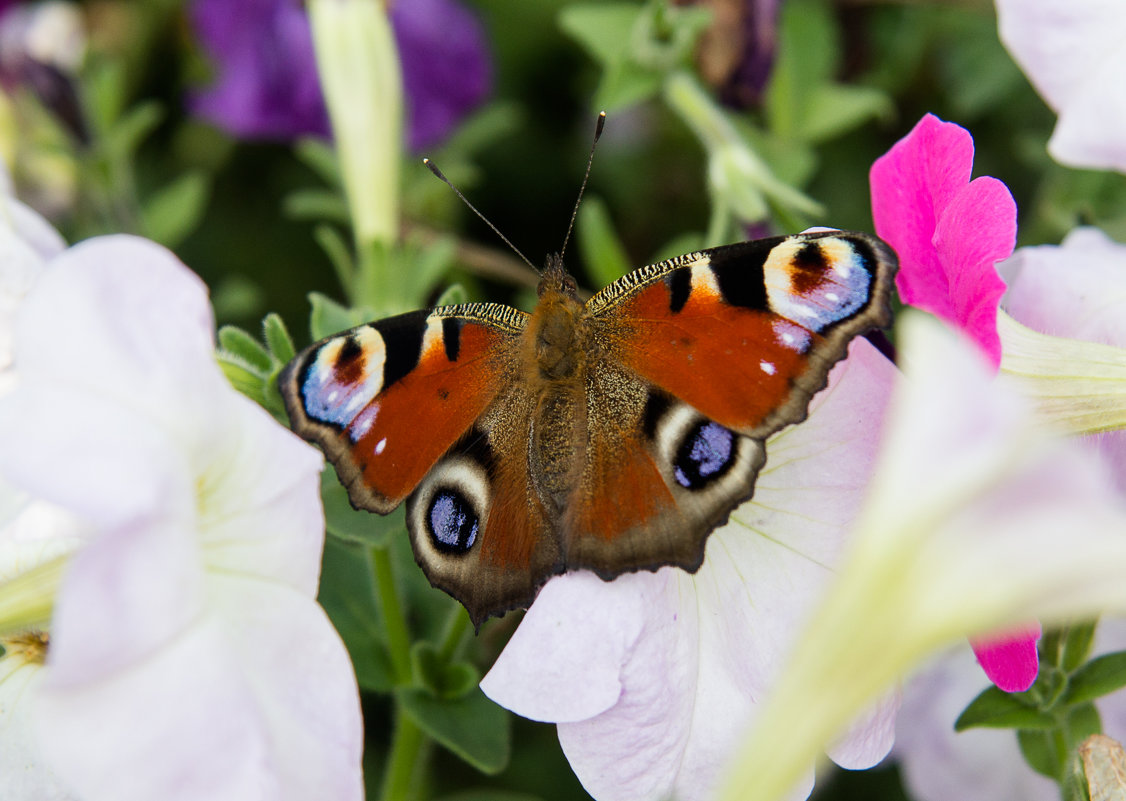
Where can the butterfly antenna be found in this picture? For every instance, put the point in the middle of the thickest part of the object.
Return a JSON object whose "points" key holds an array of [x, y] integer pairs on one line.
{"points": [[434, 169], [598, 126]]}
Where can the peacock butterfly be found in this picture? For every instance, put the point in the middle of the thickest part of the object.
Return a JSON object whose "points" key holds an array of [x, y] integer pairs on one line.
{"points": [[613, 435]]}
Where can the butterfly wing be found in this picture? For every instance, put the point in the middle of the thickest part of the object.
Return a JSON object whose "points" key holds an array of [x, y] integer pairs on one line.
{"points": [[429, 407], [716, 351], [386, 400]]}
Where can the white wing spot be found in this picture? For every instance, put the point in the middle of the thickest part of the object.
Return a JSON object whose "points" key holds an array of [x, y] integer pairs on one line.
{"points": [[832, 297], [768, 368], [379, 446], [788, 338]]}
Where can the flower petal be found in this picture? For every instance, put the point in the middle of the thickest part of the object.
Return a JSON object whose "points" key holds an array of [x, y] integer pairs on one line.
{"points": [[446, 70], [126, 594], [563, 662], [1076, 289], [26, 776], [939, 764], [1072, 54], [912, 185], [91, 456], [976, 230], [264, 699], [266, 84], [1010, 661], [948, 231], [259, 500], [122, 316]]}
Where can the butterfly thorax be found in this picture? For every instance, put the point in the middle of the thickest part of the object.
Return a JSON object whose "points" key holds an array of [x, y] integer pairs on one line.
{"points": [[555, 324], [555, 354]]}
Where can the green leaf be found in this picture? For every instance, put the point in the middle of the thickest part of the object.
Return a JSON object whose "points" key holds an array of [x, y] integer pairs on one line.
{"points": [[607, 32], [441, 677], [347, 594], [338, 254], [604, 30], [175, 210], [316, 204], [242, 377], [453, 295], [678, 246], [1043, 751], [835, 109], [996, 709], [425, 267], [489, 794], [245, 347], [1077, 641], [1082, 722], [277, 338], [602, 251], [329, 317], [126, 135], [1102, 675], [349, 524], [319, 156], [807, 57], [472, 727], [625, 84]]}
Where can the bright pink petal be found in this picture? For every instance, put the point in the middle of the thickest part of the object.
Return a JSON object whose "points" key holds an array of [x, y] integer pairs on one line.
{"points": [[977, 230], [949, 231], [1010, 661], [912, 184]]}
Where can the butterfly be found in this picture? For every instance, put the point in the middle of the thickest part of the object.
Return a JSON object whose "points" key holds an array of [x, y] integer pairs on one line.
{"points": [[611, 436]]}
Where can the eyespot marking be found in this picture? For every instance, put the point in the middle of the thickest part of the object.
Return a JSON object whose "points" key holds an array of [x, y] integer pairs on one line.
{"points": [[706, 454], [452, 521]]}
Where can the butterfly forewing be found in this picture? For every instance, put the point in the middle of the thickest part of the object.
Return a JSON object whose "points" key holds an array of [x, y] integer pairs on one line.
{"points": [[385, 400], [747, 333]]}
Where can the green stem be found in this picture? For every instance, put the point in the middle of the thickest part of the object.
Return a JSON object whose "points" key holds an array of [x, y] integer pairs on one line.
{"points": [[403, 760], [454, 635], [394, 621]]}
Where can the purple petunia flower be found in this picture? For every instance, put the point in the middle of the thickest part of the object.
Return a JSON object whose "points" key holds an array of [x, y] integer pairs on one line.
{"points": [[266, 84]]}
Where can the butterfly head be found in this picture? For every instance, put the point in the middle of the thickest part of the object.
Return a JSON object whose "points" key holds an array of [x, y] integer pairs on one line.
{"points": [[556, 280]]}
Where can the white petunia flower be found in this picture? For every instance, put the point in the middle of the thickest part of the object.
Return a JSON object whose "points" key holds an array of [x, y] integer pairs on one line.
{"points": [[978, 518], [1072, 53], [186, 656]]}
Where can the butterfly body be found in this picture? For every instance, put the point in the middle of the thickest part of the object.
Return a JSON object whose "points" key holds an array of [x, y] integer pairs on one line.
{"points": [[613, 435]]}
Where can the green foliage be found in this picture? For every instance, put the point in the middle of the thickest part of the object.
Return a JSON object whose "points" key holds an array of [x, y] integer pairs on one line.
{"points": [[602, 250], [1055, 715], [470, 726]]}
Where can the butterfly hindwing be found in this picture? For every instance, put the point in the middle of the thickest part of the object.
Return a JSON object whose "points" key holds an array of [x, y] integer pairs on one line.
{"points": [[478, 527], [659, 477], [386, 400]]}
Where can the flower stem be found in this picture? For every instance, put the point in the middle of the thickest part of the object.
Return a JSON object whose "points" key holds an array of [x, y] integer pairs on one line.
{"points": [[394, 621], [403, 760], [453, 637]]}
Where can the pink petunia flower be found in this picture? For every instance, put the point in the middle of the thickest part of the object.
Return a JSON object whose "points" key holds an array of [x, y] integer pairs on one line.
{"points": [[950, 232]]}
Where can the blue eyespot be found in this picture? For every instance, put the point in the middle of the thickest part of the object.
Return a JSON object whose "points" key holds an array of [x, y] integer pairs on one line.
{"points": [[453, 522], [705, 455]]}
